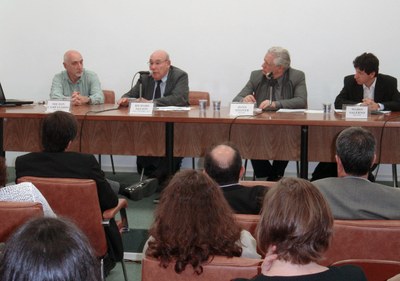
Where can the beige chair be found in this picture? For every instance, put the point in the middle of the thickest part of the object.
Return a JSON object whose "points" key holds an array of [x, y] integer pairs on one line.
{"points": [[248, 222], [109, 98], [15, 214], [194, 97], [77, 200], [267, 184], [219, 268]]}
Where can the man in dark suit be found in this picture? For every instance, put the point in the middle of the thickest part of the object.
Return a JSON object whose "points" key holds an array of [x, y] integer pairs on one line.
{"points": [[58, 131], [367, 87], [223, 163], [167, 85], [277, 85]]}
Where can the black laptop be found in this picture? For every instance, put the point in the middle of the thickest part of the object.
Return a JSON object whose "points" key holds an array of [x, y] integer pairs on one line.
{"points": [[11, 102]]}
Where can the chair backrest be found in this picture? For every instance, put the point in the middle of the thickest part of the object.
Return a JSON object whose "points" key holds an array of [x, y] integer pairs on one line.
{"points": [[14, 214], [364, 239], [375, 270], [77, 200], [220, 268], [195, 96], [109, 96], [254, 183], [248, 222]]}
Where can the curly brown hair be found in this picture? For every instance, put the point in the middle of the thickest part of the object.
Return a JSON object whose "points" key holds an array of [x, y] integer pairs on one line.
{"points": [[193, 222]]}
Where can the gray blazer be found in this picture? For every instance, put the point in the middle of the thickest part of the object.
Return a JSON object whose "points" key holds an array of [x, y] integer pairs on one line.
{"points": [[357, 198], [176, 90], [294, 90]]}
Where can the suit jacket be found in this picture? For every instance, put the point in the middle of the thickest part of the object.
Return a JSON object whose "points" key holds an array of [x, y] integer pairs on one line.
{"points": [[355, 198], [386, 92], [244, 200], [176, 90], [67, 165], [294, 90]]}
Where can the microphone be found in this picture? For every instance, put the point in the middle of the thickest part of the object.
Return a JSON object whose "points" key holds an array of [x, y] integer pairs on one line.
{"points": [[270, 75], [144, 72]]}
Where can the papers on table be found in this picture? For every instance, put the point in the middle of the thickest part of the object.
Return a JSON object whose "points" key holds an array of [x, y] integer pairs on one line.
{"points": [[173, 108]]}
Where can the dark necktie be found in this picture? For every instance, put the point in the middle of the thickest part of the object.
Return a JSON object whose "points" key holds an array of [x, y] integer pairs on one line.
{"points": [[157, 94]]}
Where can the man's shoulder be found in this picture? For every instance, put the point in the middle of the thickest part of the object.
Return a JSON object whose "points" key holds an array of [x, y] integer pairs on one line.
{"points": [[89, 73], [386, 78], [177, 71], [294, 71]]}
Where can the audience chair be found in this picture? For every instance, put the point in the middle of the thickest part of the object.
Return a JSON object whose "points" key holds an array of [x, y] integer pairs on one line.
{"points": [[109, 98], [194, 97], [375, 270], [219, 268], [364, 239], [248, 222], [77, 200], [15, 214], [267, 184]]}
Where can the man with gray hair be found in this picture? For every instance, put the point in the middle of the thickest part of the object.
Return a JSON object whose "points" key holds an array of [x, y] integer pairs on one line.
{"points": [[76, 82], [275, 86], [351, 195]]}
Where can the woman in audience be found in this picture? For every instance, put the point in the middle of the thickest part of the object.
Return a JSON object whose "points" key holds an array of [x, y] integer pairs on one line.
{"points": [[193, 222], [295, 230], [49, 249], [23, 192]]}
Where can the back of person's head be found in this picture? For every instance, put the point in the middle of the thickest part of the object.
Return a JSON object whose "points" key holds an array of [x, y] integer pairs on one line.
{"points": [[282, 57], [367, 62], [58, 129], [223, 163], [297, 220], [3, 172], [193, 222], [355, 146], [49, 249]]}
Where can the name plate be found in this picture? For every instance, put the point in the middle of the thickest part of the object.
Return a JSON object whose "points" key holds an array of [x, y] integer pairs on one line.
{"points": [[141, 108], [58, 105], [241, 108], [357, 112]]}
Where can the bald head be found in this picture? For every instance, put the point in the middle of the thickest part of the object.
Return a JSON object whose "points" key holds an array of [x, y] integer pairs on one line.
{"points": [[223, 163], [73, 64], [71, 55], [159, 64]]}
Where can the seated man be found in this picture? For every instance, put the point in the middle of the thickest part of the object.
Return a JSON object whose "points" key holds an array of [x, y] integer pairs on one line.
{"points": [[352, 195], [77, 83], [172, 89], [58, 131], [275, 86], [223, 163]]}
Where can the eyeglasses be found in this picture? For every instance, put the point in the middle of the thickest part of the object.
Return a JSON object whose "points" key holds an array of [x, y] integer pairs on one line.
{"points": [[157, 62]]}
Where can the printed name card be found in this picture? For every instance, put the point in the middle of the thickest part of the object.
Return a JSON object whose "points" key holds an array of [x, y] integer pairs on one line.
{"points": [[357, 112], [141, 108], [241, 108], [58, 105]]}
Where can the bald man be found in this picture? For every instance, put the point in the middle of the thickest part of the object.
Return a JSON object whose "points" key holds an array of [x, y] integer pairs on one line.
{"points": [[223, 163], [174, 83], [82, 86]]}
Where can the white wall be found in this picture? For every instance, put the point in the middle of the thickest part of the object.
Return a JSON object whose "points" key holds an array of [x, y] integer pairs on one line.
{"points": [[218, 42]]}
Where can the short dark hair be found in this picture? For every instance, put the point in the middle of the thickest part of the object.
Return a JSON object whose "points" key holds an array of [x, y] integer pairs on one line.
{"points": [[355, 146], [49, 249], [58, 129], [367, 62], [222, 175], [297, 220]]}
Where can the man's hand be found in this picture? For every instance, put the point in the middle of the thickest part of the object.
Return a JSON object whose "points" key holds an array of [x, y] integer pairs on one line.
{"points": [[77, 99], [372, 105], [249, 98]]}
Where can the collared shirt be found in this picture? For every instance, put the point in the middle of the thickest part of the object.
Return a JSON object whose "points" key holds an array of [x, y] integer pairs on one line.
{"points": [[369, 92], [162, 85], [88, 85]]}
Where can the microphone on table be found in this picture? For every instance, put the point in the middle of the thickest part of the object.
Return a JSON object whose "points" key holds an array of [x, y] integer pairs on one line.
{"points": [[272, 83], [140, 80]]}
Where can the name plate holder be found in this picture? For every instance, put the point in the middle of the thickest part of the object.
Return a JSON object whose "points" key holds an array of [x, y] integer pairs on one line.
{"points": [[241, 109], [141, 108], [356, 112], [58, 105]]}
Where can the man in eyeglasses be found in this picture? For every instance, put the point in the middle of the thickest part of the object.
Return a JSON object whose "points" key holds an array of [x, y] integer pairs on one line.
{"points": [[166, 84]]}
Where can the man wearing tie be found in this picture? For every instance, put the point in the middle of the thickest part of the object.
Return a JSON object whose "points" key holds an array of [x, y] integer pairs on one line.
{"points": [[166, 85], [275, 86]]}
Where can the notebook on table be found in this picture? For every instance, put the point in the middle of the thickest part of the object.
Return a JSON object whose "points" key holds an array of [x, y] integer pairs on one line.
{"points": [[11, 102]]}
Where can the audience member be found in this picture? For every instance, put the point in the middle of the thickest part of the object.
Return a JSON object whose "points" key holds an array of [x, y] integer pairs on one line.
{"points": [[223, 164], [58, 131], [23, 192], [193, 222], [49, 249], [172, 89], [77, 83], [289, 91], [352, 195], [295, 230]]}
